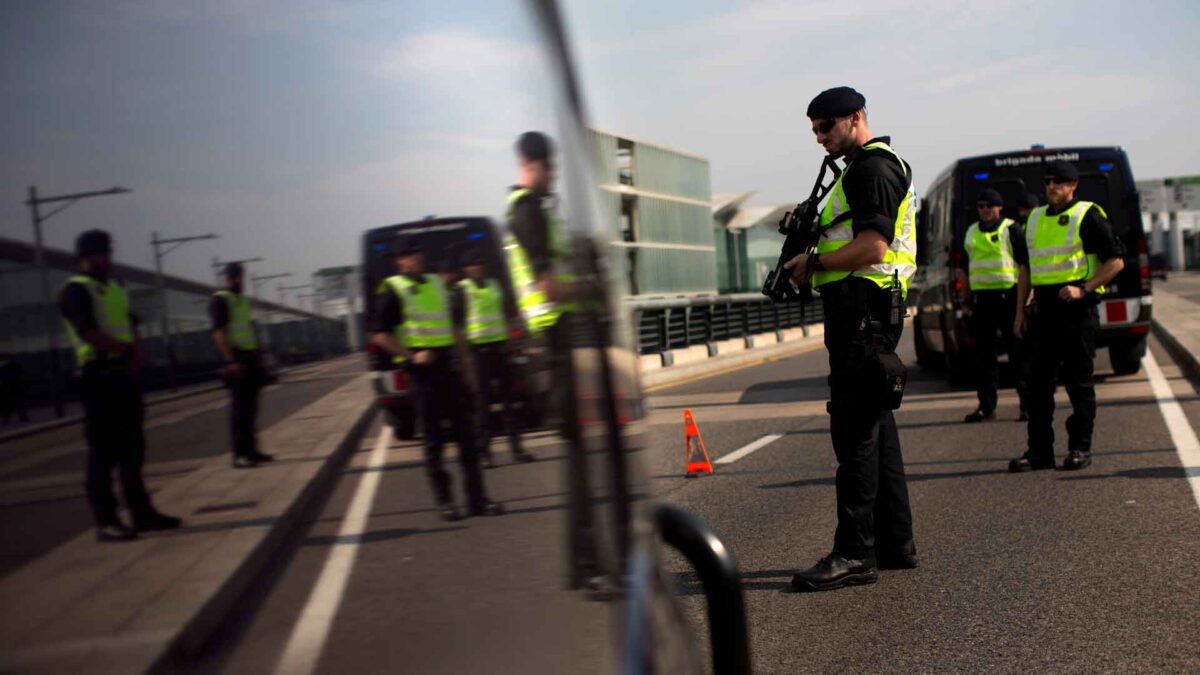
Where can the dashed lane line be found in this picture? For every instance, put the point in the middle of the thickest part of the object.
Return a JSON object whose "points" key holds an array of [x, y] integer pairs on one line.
{"points": [[1182, 434], [749, 448], [311, 631]]}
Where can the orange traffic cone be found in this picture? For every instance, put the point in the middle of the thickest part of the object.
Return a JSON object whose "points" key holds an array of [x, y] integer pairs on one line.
{"points": [[691, 443]]}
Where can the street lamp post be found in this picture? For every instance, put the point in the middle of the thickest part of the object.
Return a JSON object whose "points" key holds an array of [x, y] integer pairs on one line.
{"points": [[159, 254], [39, 260]]}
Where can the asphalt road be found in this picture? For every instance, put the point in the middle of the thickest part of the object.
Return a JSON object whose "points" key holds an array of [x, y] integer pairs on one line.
{"points": [[1093, 571], [42, 501]]}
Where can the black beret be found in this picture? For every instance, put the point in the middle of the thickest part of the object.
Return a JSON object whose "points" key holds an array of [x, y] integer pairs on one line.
{"points": [[405, 245], [836, 102], [1063, 170], [93, 241], [991, 196], [234, 269], [534, 145], [1029, 201]]}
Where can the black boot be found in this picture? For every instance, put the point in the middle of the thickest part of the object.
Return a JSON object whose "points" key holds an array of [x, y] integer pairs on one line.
{"points": [[1027, 462], [115, 531], [980, 415], [448, 512], [834, 571], [1076, 460], [487, 508]]}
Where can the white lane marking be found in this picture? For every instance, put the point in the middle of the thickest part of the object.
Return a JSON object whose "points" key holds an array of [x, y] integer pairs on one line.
{"points": [[749, 448], [1182, 434], [308, 637]]}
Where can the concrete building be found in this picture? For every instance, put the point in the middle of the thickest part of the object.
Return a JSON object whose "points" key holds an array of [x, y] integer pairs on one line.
{"points": [[661, 201]]}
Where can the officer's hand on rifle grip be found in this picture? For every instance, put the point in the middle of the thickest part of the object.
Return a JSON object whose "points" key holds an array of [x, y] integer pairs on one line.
{"points": [[801, 270]]}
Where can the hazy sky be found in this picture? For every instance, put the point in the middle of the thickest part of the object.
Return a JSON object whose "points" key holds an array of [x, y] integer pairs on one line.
{"points": [[290, 127]]}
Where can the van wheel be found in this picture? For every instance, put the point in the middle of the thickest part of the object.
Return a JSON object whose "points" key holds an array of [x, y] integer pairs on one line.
{"points": [[1126, 356]]}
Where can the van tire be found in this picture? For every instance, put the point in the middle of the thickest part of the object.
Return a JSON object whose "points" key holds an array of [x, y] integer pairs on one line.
{"points": [[1125, 356]]}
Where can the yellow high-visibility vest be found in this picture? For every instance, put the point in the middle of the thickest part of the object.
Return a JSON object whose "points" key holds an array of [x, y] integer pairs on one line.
{"points": [[539, 313], [900, 261], [110, 304], [240, 328], [485, 312], [427, 322], [1056, 254], [990, 262]]}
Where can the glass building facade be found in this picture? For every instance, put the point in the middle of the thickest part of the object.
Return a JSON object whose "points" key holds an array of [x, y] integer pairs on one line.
{"points": [[661, 201]]}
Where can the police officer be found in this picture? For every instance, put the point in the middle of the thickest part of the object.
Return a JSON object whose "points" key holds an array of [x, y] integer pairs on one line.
{"points": [[989, 270], [104, 334], [1072, 254], [1025, 206], [414, 322], [863, 264], [538, 260], [234, 335], [481, 308]]}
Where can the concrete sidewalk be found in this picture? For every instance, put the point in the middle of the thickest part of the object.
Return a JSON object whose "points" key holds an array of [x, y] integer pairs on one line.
{"points": [[1177, 318], [132, 607]]}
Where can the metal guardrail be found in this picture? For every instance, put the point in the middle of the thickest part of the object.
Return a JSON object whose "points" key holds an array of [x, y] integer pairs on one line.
{"points": [[664, 324]]}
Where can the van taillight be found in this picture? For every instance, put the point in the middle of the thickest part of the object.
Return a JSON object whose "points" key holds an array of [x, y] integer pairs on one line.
{"points": [[399, 380]]}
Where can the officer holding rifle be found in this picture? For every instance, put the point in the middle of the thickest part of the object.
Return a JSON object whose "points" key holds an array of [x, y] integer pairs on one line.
{"points": [[863, 262]]}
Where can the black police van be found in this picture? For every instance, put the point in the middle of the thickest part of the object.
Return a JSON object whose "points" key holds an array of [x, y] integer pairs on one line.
{"points": [[939, 331], [441, 240]]}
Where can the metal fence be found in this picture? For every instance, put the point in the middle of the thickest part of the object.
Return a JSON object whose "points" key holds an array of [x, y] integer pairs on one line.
{"points": [[674, 323]]}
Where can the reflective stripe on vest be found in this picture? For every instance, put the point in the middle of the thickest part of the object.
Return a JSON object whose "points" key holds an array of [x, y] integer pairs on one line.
{"points": [[1056, 254], [240, 329], [427, 320], [991, 266], [900, 261], [539, 313], [110, 305], [485, 312]]}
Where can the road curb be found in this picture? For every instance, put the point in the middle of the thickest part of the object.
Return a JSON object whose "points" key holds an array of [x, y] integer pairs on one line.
{"points": [[209, 618], [662, 378], [1186, 359]]}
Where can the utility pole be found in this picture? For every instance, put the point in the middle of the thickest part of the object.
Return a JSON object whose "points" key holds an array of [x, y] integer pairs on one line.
{"points": [[159, 253], [39, 261]]}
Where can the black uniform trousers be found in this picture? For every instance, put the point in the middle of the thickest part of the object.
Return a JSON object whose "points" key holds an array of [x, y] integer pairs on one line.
{"points": [[1062, 339], [872, 494], [113, 412], [497, 383], [440, 395], [582, 561], [992, 314], [243, 408]]}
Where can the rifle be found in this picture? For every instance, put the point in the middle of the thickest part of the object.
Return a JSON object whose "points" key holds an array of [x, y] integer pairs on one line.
{"points": [[802, 231]]}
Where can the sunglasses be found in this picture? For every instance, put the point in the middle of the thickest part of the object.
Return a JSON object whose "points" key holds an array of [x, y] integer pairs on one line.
{"points": [[826, 125], [1055, 180]]}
